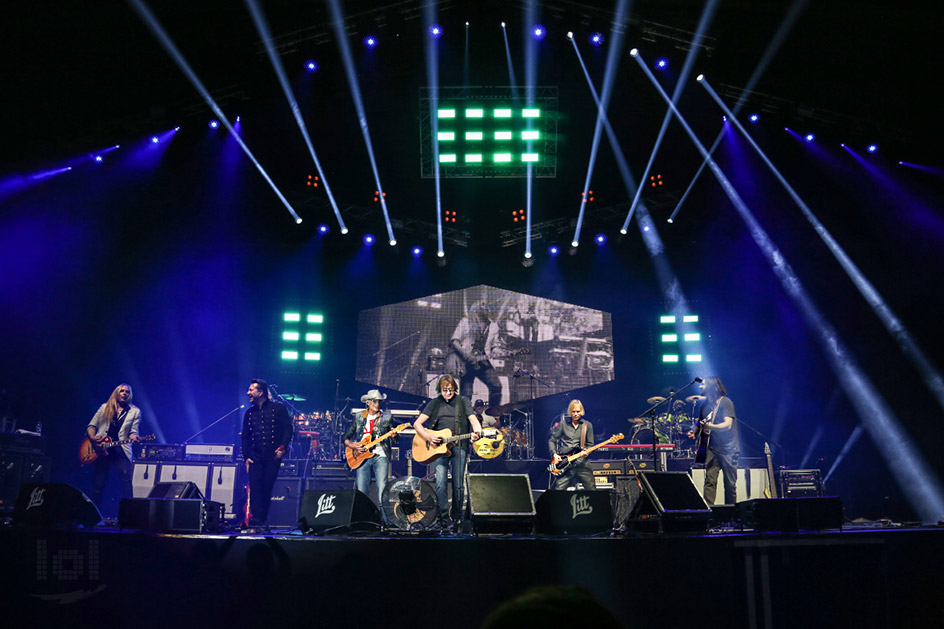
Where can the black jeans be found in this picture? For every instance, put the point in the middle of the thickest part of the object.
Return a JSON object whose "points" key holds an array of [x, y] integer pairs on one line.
{"points": [[728, 463], [577, 471], [262, 475], [116, 460]]}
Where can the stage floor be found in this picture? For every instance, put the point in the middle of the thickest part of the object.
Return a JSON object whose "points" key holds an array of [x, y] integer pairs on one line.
{"points": [[858, 576]]}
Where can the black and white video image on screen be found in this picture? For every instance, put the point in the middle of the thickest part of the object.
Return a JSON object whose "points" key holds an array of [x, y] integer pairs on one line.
{"points": [[504, 347]]}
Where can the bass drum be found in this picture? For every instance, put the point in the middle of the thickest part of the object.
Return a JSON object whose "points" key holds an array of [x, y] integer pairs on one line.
{"points": [[643, 435]]}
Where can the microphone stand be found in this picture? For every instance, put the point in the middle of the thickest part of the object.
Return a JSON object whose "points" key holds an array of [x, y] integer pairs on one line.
{"points": [[214, 423], [651, 411]]}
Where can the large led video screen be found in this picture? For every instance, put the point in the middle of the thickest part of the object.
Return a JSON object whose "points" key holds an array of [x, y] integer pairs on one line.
{"points": [[488, 132], [504, 347]]}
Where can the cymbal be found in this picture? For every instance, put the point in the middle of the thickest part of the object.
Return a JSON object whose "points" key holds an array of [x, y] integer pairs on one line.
{"points": [[636, 420], [691, 399], [293, 397], [655, 399]]}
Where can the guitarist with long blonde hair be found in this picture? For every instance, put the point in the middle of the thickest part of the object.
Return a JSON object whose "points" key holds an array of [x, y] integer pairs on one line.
{"points": [[117, 421]]}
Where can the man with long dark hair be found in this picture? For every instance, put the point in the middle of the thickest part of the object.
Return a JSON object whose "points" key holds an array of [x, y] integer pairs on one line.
{"points": [[718, 417], [116, 420]]}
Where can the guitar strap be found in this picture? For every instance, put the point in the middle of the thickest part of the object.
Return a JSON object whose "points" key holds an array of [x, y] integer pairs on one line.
{"points": [[583, 435]]}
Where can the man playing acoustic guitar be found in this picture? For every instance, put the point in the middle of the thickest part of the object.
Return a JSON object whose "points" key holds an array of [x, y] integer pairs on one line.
{"points": [[452, 412], [568, 437], [367, 426]]}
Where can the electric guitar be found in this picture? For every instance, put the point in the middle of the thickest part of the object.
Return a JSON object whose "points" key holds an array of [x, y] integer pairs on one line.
{"points": [[490, 444], [558, 468], [771, 491], [355, 458], [89, 451], [425, 452]]}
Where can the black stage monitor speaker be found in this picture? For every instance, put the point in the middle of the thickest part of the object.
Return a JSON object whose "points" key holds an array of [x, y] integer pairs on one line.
{"points": [[501, 503], [54, 505], [178, 515], [286, 501], [574, 512], [324, 510], [791, 514], [669, 502], [176, 489]]}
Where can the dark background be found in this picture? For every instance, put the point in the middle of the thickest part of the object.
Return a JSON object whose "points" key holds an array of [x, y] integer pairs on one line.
{"points": [[166, 267]]}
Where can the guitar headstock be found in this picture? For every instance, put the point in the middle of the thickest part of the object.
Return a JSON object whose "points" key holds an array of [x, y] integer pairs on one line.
{"points": [[401, 427], [766, 448]]}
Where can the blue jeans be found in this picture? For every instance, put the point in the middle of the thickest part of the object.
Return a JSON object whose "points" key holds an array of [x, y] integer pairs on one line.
{"points": [[440, 467], [381, 466]]}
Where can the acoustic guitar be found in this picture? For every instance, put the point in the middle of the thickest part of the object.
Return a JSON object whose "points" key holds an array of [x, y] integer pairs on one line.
{"points": [[355, 458], [89, 451], [425, 452], [558, 468]]}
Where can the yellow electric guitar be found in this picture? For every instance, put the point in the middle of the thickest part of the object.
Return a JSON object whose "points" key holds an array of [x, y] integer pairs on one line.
{"points": [[558, 468], [355, 458]]}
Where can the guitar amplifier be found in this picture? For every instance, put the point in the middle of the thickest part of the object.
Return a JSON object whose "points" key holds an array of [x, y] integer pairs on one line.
{"points": [[209, 452], [800, 483], [158, 451], [292, 468]]}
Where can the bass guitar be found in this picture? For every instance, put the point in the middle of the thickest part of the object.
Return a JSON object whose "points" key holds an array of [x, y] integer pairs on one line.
{"points": [[355, 458], [89, 451], [558, 468], [771, 491], [425, 452]]}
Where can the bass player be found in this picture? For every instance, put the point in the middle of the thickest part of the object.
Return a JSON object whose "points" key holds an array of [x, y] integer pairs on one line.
{"points": [[570, 436]]}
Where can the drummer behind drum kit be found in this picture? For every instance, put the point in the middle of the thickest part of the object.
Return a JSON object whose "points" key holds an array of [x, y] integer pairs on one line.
{"points": [[671, 427], [323, 432]]}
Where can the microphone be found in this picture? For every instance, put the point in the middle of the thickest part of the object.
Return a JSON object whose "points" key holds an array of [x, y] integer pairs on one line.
{"points": [[697, 379], [174, 475], [517, 373]]}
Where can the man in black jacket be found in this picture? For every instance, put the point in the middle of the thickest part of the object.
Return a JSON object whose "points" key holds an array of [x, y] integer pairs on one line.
{"points": [[267, 431], [370, 424]]}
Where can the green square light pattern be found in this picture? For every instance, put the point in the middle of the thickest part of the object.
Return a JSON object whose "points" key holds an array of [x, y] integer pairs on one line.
{"points": [[513, 142], [677, 337], [302, 336]]}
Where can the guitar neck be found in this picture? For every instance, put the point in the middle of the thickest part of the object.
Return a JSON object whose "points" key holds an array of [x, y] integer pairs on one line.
{"points": [[455, 438]]}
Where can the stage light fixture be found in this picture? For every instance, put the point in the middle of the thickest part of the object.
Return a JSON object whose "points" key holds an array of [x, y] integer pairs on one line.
{"points": [[527, 254], [441, 254], [344, 230], [155, 139], [298, 221], [754, 118], [214, 124], [633, 52], [370, 41], [622, 231], [176, 128], [809, 137], [596, 39], [872, 148], [503, 25], [600, 239], [435, 31], [369, 239], [574, 244], [670, 220], [553, 250], [662, 63], [538, 32], [311, 65], [700, 78], [570, 34], [467, 25], [393, 242], [417, 252], [99, 159], [323, 228], [527, 261]]}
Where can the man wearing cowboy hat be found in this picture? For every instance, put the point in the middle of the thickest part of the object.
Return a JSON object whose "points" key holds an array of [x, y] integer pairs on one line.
{"points": [[371, 423]]}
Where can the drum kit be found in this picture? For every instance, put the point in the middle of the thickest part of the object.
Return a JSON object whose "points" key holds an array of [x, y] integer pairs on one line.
{"points": [[670, 427], [511, 441]]}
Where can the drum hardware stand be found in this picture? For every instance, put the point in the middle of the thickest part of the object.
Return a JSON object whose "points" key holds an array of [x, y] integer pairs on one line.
{"points": [[651, 412], [529, 417]]}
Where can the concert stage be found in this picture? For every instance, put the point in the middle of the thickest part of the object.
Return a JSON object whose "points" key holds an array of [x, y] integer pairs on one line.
{"points": [[861, 577]]}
